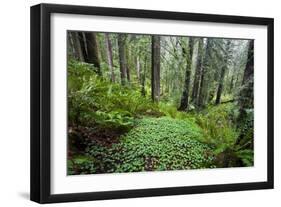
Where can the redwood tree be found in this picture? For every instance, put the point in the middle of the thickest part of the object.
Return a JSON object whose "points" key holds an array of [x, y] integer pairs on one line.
{"points": [[92, 49], [122, 57], [155, 70], [203, 90], [78, 49], [246, 102], [109, 57], [227, 55], [188, 57], [198, 67]]}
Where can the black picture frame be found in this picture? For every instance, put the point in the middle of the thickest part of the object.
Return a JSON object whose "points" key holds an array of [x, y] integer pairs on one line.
{"points": [[41, 96]]}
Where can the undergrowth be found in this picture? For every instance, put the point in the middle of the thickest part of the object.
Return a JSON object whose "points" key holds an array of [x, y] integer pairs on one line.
{"points": [[93, 101], [154, 144], [114, 128]]}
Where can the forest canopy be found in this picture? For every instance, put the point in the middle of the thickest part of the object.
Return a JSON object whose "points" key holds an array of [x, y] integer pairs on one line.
{"points": [[141, 102]]}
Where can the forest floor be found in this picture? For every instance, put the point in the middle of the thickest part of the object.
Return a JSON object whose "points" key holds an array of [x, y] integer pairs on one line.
{"points": [[153, 144], [114, 128]]}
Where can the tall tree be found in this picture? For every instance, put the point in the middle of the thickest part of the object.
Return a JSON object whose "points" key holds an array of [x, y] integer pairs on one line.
{"points": [[196, 82], [246, 98], [127, 54], [227, 55], [138, 67], [231, 84], [92, 49], [188, 56], [142, 76], [83, 45], [155, 70], [122, 57], [77, 46], [70, 45], [102, 50], [203, 90], [109, 57]]}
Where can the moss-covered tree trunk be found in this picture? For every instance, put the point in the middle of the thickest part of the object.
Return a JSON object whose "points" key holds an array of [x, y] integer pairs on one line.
{"points": [[83, 44], [77, 46], [128, 55], [223, 70], [203, 90], [246, 94], [70, 46], [142, 76], [155, 71], [196, 82], [92, 49], [122, 57], [185, 95], [246, 98], [109, 57]]}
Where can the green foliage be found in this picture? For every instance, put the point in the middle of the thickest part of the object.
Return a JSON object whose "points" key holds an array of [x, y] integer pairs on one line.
{"points": [[95, 101], [148, 136], [246, 156], [113, 119], [246, 125], [171, 111], [218, 129], [221, 133], [154, 144], [80, 164], [244, 146], [77, 74]]}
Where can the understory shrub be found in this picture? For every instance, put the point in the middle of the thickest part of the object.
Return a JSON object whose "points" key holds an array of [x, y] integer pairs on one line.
{"points": [[93, 101], [221, 132]]}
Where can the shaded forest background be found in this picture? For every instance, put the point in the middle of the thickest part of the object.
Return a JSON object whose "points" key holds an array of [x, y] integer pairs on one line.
{"points": [[151, 102]]}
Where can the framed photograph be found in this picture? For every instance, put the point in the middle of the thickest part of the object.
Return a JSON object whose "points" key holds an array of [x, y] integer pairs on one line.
{"points": [[133, 103]]}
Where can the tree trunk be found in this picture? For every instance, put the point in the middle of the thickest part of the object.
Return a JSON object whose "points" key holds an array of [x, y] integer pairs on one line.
{"points": [[102, 50], [246, 97], [77, 46], [83, 45], [155, 71], [128, 63], [122, 57], [223, 69], [231, 83], [138, 68], [92, 49], [109, 57], [203, 88], [70, 46], [142, 77], [185, 95], [196, 82], [220, 86]]}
